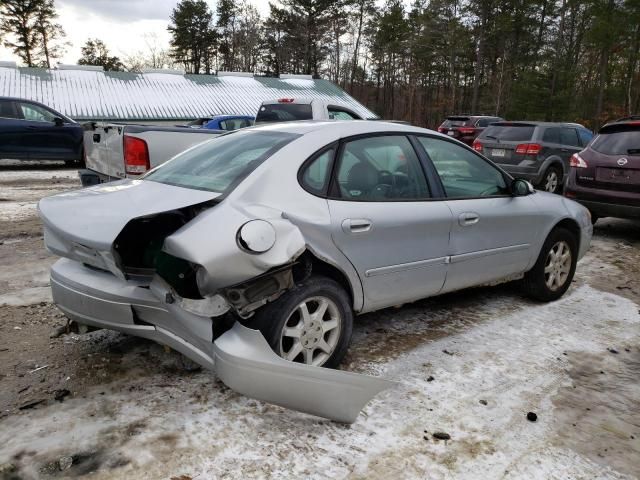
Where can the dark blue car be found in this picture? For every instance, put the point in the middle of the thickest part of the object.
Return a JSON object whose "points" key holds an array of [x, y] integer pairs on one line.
{"points": [[32, 131]]}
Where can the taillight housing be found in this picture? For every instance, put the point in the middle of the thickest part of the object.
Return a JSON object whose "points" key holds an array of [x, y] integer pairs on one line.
{"points": [[467, 130], [528, 149], [286, 100], [577, 161], [477, 146], [442, 129], [136, 155]]}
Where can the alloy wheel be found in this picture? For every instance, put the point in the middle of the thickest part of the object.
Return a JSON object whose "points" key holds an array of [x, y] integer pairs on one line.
{"points": [[312, 331], [557, 266], [551, 181]]}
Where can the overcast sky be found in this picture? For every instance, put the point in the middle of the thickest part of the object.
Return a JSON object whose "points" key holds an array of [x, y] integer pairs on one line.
{"points": [[121, 24]]}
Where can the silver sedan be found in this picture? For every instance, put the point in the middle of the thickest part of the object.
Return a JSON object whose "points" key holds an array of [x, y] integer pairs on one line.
{"points": [[252, 252]]}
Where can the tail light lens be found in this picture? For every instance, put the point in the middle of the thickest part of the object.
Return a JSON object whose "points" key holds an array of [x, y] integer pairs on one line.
{"points": [[577, 161], [528, 149], [477, 146], [136, 155], [441, 129], [286, 100], [467, 130]]}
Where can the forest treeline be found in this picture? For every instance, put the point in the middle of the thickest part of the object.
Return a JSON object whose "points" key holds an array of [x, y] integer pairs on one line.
{"points": [[522, 59]]}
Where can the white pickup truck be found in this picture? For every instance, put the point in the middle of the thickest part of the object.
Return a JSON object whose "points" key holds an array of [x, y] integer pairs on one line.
{"points": [[115, 151]]}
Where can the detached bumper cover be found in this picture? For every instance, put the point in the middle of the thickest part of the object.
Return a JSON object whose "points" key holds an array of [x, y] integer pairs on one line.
{"points": [[241, 357]]}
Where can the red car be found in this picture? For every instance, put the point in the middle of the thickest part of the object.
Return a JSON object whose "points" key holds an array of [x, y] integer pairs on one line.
{"points": [[605, 176], [466, 127]]}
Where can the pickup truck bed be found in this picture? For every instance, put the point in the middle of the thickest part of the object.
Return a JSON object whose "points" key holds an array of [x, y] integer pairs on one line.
{"points": [[114, 151]]}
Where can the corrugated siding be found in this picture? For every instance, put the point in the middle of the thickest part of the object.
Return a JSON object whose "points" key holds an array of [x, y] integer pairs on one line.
{"points": [[87, 95]]}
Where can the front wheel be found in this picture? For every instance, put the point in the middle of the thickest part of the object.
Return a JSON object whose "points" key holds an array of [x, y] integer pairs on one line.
{"points": [[553, 272], [552, 180], [310, 324]]}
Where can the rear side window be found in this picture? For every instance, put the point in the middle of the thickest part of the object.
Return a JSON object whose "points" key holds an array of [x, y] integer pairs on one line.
{"points": [[315, 176], [6, 109], [569, 136], [379, 169], [551, 135], [234, 124], [456, 122], [221, 163], [509, 133], [284, 112], [341, 114], [618, 143]]}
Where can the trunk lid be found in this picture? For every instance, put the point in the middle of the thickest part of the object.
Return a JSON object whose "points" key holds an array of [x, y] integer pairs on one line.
{"points": [[83, 224], [500, 140]]}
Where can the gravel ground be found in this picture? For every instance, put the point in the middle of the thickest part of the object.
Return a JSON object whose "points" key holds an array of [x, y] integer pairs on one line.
{"points": [[470, 364]]}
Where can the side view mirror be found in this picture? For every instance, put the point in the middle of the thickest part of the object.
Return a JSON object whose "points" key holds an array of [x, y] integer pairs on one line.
{"points": [[521, 188], [58, 121]]}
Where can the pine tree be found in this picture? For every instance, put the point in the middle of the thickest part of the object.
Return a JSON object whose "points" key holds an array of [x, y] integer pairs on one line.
{"points": [[95, 52], [227, 23], [48, 32], [193, 38], [18, 21]]}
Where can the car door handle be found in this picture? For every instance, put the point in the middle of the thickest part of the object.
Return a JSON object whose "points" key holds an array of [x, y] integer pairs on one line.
{"points": [[356, 225], [564, 149], [468, 218]]}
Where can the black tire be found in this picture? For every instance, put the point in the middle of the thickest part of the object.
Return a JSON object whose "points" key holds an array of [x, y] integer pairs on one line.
{"points": [[594, 218], [547, 183], [273, 317], [535, 280]]}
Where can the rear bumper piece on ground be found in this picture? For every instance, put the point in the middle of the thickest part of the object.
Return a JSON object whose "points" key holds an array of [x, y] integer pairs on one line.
{"points": [[241, 357]]}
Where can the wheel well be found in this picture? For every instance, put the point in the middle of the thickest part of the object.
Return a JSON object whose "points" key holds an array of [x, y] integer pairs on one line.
{"points": [[326, 269], [572, 226]]}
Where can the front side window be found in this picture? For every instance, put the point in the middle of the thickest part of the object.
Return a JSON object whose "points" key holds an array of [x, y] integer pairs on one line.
{"points": [[36, 113], [378, 169], [463, 173], [233, 124], [221, 163]]}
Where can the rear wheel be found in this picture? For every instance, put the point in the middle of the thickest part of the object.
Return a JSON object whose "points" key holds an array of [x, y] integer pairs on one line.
{"points": [[553, 272], [310, 324], [552, 180]]}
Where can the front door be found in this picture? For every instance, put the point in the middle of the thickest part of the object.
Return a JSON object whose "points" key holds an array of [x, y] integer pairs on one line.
{"points": [[42, 137], [492, 231], [385, 221]]}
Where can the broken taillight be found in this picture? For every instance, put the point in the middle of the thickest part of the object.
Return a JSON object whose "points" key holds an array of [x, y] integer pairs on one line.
{"points": [[136, 155]]}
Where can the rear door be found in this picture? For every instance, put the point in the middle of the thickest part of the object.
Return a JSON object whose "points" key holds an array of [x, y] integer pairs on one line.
{"points": [[385, 221], [492, 232], [570, 143]]}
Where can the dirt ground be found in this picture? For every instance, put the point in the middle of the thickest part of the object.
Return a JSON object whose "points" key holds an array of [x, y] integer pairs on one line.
{"points": [[470, 364]]}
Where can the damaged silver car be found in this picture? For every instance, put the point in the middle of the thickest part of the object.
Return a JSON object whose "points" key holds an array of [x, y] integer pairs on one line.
{"points": [[251, 253]]}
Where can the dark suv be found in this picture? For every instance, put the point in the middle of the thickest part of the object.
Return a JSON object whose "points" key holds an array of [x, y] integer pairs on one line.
{"points": [[32, 131], [466, 127], [605, 176], [536, 151]]}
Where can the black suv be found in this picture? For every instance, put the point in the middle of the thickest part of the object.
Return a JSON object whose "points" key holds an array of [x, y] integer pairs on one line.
{"points": [[536, 151]]}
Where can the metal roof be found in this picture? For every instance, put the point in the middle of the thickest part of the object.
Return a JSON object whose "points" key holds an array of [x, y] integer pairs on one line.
{"points": [[159, 95]]}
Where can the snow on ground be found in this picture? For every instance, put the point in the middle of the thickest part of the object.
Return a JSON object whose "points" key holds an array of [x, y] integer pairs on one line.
{"points": [[516, 362], [470, 364]]}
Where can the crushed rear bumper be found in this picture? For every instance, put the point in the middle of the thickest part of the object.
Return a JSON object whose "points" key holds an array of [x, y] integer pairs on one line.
{"points": [[241, 357]]}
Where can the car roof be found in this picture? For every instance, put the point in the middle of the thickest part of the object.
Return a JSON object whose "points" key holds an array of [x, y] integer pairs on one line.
{"points": [[538, 124], [343, 128]]}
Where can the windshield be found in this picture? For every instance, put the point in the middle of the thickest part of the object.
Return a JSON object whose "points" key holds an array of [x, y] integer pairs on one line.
{"points": [[222, 163], [618, 143], [284, 112], [508, 133]]}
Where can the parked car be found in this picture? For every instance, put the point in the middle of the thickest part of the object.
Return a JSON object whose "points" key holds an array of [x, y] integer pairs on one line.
{"points": [[293, 109], [605, 176], [466, 128], [115, 150], [536, 151], [229, 122], [32, 131], [282, 232]]}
